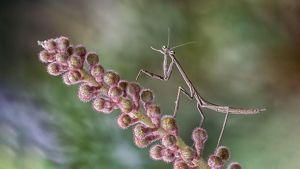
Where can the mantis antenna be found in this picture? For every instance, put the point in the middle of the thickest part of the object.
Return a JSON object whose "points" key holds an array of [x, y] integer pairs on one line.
{"points": [[187, 43], [168, 37]]}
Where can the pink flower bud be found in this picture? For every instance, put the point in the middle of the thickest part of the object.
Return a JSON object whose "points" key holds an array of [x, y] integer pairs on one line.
{"points": [[156, 152], [199, 135], [147, 96], [54, 69], [126, 105], [124, 121], [103, 90], [99, 104], [92, 59], [140, 131], [85, 92], [141, 143], [61, 57], [214, 162], [75, 62], [144, 142], [115, 93], [168, 155], [80, 51], [97, 70], [45, 57], [169, 141], [73, 76], [223, 152], [156, 121], [234, 165], [49, 45], [180, 165], [153, 111], [111, 78], [123, 85], [108, 107], [133, 89], [62, 43], [168, 123]]}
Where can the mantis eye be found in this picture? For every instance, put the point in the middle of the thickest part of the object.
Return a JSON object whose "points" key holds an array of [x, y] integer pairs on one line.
{"points": [[164, 47]]}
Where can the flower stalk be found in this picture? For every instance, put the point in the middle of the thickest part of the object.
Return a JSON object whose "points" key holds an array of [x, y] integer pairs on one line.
{"points": [[107, 92]]}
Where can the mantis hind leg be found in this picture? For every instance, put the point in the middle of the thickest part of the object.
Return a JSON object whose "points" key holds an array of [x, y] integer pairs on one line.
{"points": [[201, 114], [223, 128]]}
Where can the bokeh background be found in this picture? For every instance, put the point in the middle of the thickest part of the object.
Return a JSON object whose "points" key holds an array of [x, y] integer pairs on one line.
{"points": [[247, 54]]}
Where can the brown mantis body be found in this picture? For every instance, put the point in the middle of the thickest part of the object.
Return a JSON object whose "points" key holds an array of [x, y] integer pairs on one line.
{"points": [[193, 93]]}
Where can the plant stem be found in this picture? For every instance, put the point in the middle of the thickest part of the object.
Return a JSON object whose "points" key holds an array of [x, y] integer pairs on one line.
{"points": [[146, 120], [87, 77], [180, 143]]}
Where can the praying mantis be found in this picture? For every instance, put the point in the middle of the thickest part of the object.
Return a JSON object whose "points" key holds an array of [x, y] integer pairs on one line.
{"points": [[168, 52]]}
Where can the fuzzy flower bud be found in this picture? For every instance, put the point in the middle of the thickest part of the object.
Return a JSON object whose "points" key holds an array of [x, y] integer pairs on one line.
{"points": [[169, 141], [147, 96], [168, 155], [54, 69], [153, 111], [75, 62], [199, 135], [73, 76], [99, 104], [80, 51], [234, 165], [111, 78], [140, 131], [141, 143], [103, 90], [180, 165], [223, 152], [85, 93], [124, 121], [168, 123], [156, 152], [45, 57], [108, 107], [97, 70], [187, 154], [61, 57], [126, 105], [115, 92], [92, 59], [62, 43], [123, 85], [144, 142], [214, 162], [49, 45], [133, 89]]}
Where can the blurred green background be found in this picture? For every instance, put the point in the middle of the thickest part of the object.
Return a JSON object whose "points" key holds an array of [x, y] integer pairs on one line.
{"points": [[247, 55]]}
